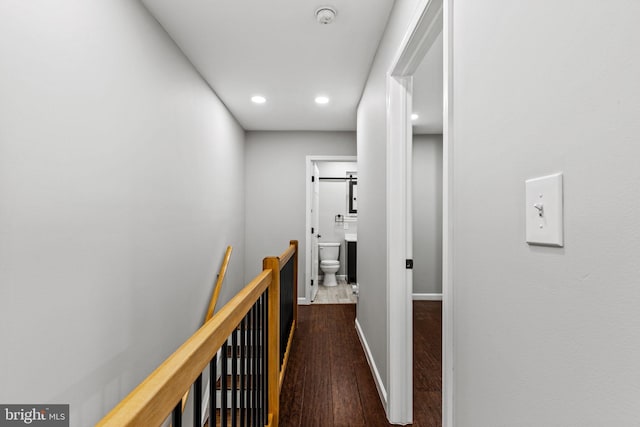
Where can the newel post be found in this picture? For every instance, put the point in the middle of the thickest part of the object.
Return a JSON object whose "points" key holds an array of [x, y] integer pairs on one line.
{"points": [[273, 370]]}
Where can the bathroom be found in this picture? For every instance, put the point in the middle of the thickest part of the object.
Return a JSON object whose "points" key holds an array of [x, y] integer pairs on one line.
{"points": [[337, 227]]}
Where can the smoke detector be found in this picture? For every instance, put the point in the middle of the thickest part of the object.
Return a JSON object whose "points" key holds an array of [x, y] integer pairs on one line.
{"points": [[325, 15]]}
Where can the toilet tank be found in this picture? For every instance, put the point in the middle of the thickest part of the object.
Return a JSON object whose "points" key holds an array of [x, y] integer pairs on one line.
{"points": [[329, 251]]}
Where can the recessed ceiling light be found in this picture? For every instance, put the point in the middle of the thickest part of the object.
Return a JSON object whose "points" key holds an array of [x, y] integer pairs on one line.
{"points": [[257, 99], [414, 116], [322, 100]]}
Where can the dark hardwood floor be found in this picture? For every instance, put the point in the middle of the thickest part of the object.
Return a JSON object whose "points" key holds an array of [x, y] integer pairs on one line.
{"points": [[329, 383], [427, 363]]}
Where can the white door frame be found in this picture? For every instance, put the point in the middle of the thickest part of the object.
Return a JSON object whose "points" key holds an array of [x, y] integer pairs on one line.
{"points": [[432, 17], [314, 236], [309, 161]]}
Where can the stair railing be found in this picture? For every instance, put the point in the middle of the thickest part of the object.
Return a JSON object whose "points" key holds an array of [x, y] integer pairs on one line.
{"points": [[288, 267], [244, 337], [213, 302], [218, 286]]}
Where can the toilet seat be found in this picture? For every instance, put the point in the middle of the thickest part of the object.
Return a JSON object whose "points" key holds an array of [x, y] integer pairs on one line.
{"points": [[329, 263]]}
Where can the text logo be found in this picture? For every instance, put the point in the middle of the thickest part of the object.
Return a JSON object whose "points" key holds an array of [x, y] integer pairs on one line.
{"points": [[34, 415]]}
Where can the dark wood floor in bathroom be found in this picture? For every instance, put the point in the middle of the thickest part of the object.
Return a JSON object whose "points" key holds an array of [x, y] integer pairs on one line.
{"points": [[329, 383]]}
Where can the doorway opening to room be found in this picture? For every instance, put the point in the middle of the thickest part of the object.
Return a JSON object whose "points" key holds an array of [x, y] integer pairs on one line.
{"points": [[419, 166], [332, 227], [427, 187]]}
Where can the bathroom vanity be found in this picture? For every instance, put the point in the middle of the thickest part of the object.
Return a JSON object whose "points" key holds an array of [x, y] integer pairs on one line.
{"points": [[351, 245]]}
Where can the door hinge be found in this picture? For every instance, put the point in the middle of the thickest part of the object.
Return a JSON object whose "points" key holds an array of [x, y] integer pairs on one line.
{"points": [[311, 282], [312, 230], [409, 264], [313, 179]]}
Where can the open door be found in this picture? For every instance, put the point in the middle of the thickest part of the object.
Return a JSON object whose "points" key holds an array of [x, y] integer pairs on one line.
{"points": [[315, 222]]}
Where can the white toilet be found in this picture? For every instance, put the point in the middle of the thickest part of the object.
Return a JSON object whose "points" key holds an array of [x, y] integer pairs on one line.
{"points": [[329, 262]]}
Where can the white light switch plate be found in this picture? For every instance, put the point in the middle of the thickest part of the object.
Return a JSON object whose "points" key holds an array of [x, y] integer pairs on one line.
{"points": [[544, 210]]}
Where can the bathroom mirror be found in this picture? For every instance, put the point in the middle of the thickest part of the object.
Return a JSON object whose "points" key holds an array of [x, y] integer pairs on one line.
{"points": [[352, 197]]}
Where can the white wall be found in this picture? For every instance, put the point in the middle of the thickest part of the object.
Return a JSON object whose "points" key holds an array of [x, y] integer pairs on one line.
{"points": [[121, 179], [276, 161], [372, 225], [546, 336], [333, 201], [427, 214]]}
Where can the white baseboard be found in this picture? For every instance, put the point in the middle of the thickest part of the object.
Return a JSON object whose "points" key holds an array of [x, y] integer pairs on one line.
{"points": [[382, 392], [427, 297], [303, 301]]}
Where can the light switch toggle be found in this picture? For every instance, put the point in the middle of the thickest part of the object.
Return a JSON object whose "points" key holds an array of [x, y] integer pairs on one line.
{"points": [[544, 210], [540, 208]]}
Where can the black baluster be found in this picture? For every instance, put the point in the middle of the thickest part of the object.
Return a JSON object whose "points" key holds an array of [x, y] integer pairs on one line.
{"points": [[197, 401], [243, 361], [265, 359], [176, 415], [252, 385], [223, 384], [234, 378], [213, 390], [256, 386], [261, 362]]}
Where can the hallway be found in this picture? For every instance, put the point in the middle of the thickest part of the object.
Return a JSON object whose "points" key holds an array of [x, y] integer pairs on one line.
{"points": [[139, 139], [329, 383]]}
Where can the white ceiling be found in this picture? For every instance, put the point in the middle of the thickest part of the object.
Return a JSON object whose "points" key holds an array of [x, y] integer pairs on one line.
{"points": [[277, 49], [427, 91]]}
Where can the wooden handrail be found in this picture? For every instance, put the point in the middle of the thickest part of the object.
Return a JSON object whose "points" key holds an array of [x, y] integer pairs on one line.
{"points": [[154, 399], [212, 303], [218, 286], [286, 255]]}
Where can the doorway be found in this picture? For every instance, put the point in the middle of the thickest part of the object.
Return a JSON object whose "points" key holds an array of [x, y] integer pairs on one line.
{"points": [[427, 127], [433, 20], [331, 217]]}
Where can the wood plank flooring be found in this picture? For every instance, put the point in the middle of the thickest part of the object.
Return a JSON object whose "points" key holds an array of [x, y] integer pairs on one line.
{"points": [[329, 383], [427, 363]]}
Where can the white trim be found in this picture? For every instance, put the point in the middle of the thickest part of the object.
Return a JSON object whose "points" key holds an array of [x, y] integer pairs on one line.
{"points": [[372, 365], [427, 297], [422, 32], [399, 248], [309, 173], [303, 301], [447, 220]]}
